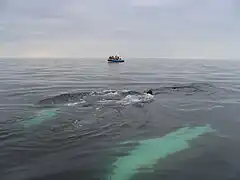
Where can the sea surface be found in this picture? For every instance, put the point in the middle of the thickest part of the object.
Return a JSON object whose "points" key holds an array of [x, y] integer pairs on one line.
{"points": [[66, 119]]}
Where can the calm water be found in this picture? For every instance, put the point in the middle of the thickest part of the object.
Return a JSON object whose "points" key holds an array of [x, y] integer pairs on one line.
{"points": [[66, 118]]}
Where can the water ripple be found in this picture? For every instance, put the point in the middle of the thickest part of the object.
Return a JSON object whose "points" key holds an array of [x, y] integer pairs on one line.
{"points": [[80, 109]]}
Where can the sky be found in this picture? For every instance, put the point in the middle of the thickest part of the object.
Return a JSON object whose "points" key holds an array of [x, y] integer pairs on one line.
{"points": [[132, 28]]}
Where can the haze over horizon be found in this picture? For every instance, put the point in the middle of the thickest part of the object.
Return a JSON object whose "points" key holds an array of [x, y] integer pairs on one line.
{"points": [[133, 28]]}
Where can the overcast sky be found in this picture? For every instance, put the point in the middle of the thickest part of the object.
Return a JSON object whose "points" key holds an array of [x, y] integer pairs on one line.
{"points": [[133, 28]]}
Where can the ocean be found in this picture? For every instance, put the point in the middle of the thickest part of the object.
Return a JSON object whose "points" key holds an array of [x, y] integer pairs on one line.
{"points": [[86, 119]]}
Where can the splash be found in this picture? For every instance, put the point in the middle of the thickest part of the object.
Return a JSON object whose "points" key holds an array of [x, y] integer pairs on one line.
{"points": [[149, 151], [131, 99]]}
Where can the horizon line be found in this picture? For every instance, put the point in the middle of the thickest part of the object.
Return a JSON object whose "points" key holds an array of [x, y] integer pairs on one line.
{"points": [[171, 58]]}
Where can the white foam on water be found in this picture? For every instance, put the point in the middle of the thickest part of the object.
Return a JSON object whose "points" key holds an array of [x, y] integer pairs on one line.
{"points": [[76, 103], [105, 101], [125, 91], [108, 90], [112, 93], [131, 99], [104, 93]]}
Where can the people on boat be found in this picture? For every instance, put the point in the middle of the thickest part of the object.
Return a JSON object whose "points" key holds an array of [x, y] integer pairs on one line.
{"points": [[116, 57], [111, 57]]}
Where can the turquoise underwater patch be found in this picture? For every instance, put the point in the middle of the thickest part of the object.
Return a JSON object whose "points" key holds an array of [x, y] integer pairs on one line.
{"points": [[149, 151], [40, 117]]}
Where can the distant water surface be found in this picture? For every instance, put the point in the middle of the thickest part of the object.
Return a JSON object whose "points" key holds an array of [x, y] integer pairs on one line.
{"points": [[66, 118]]}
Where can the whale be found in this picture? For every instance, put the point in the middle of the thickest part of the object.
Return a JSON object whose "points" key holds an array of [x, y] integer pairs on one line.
{"points": [[40, 117], [149, 151]]}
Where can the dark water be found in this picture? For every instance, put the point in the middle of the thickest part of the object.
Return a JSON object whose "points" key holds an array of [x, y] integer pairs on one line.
{"points": [[91, 106]]}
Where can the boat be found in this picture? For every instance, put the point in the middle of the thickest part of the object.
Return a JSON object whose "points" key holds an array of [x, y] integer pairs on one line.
{"points": [[115, 59]]}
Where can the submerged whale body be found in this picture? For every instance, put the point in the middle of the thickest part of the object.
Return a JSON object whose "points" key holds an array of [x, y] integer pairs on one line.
{"points": [[67, 97], [187, 88], [149, 151], [50, 106], [75, 97]]}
